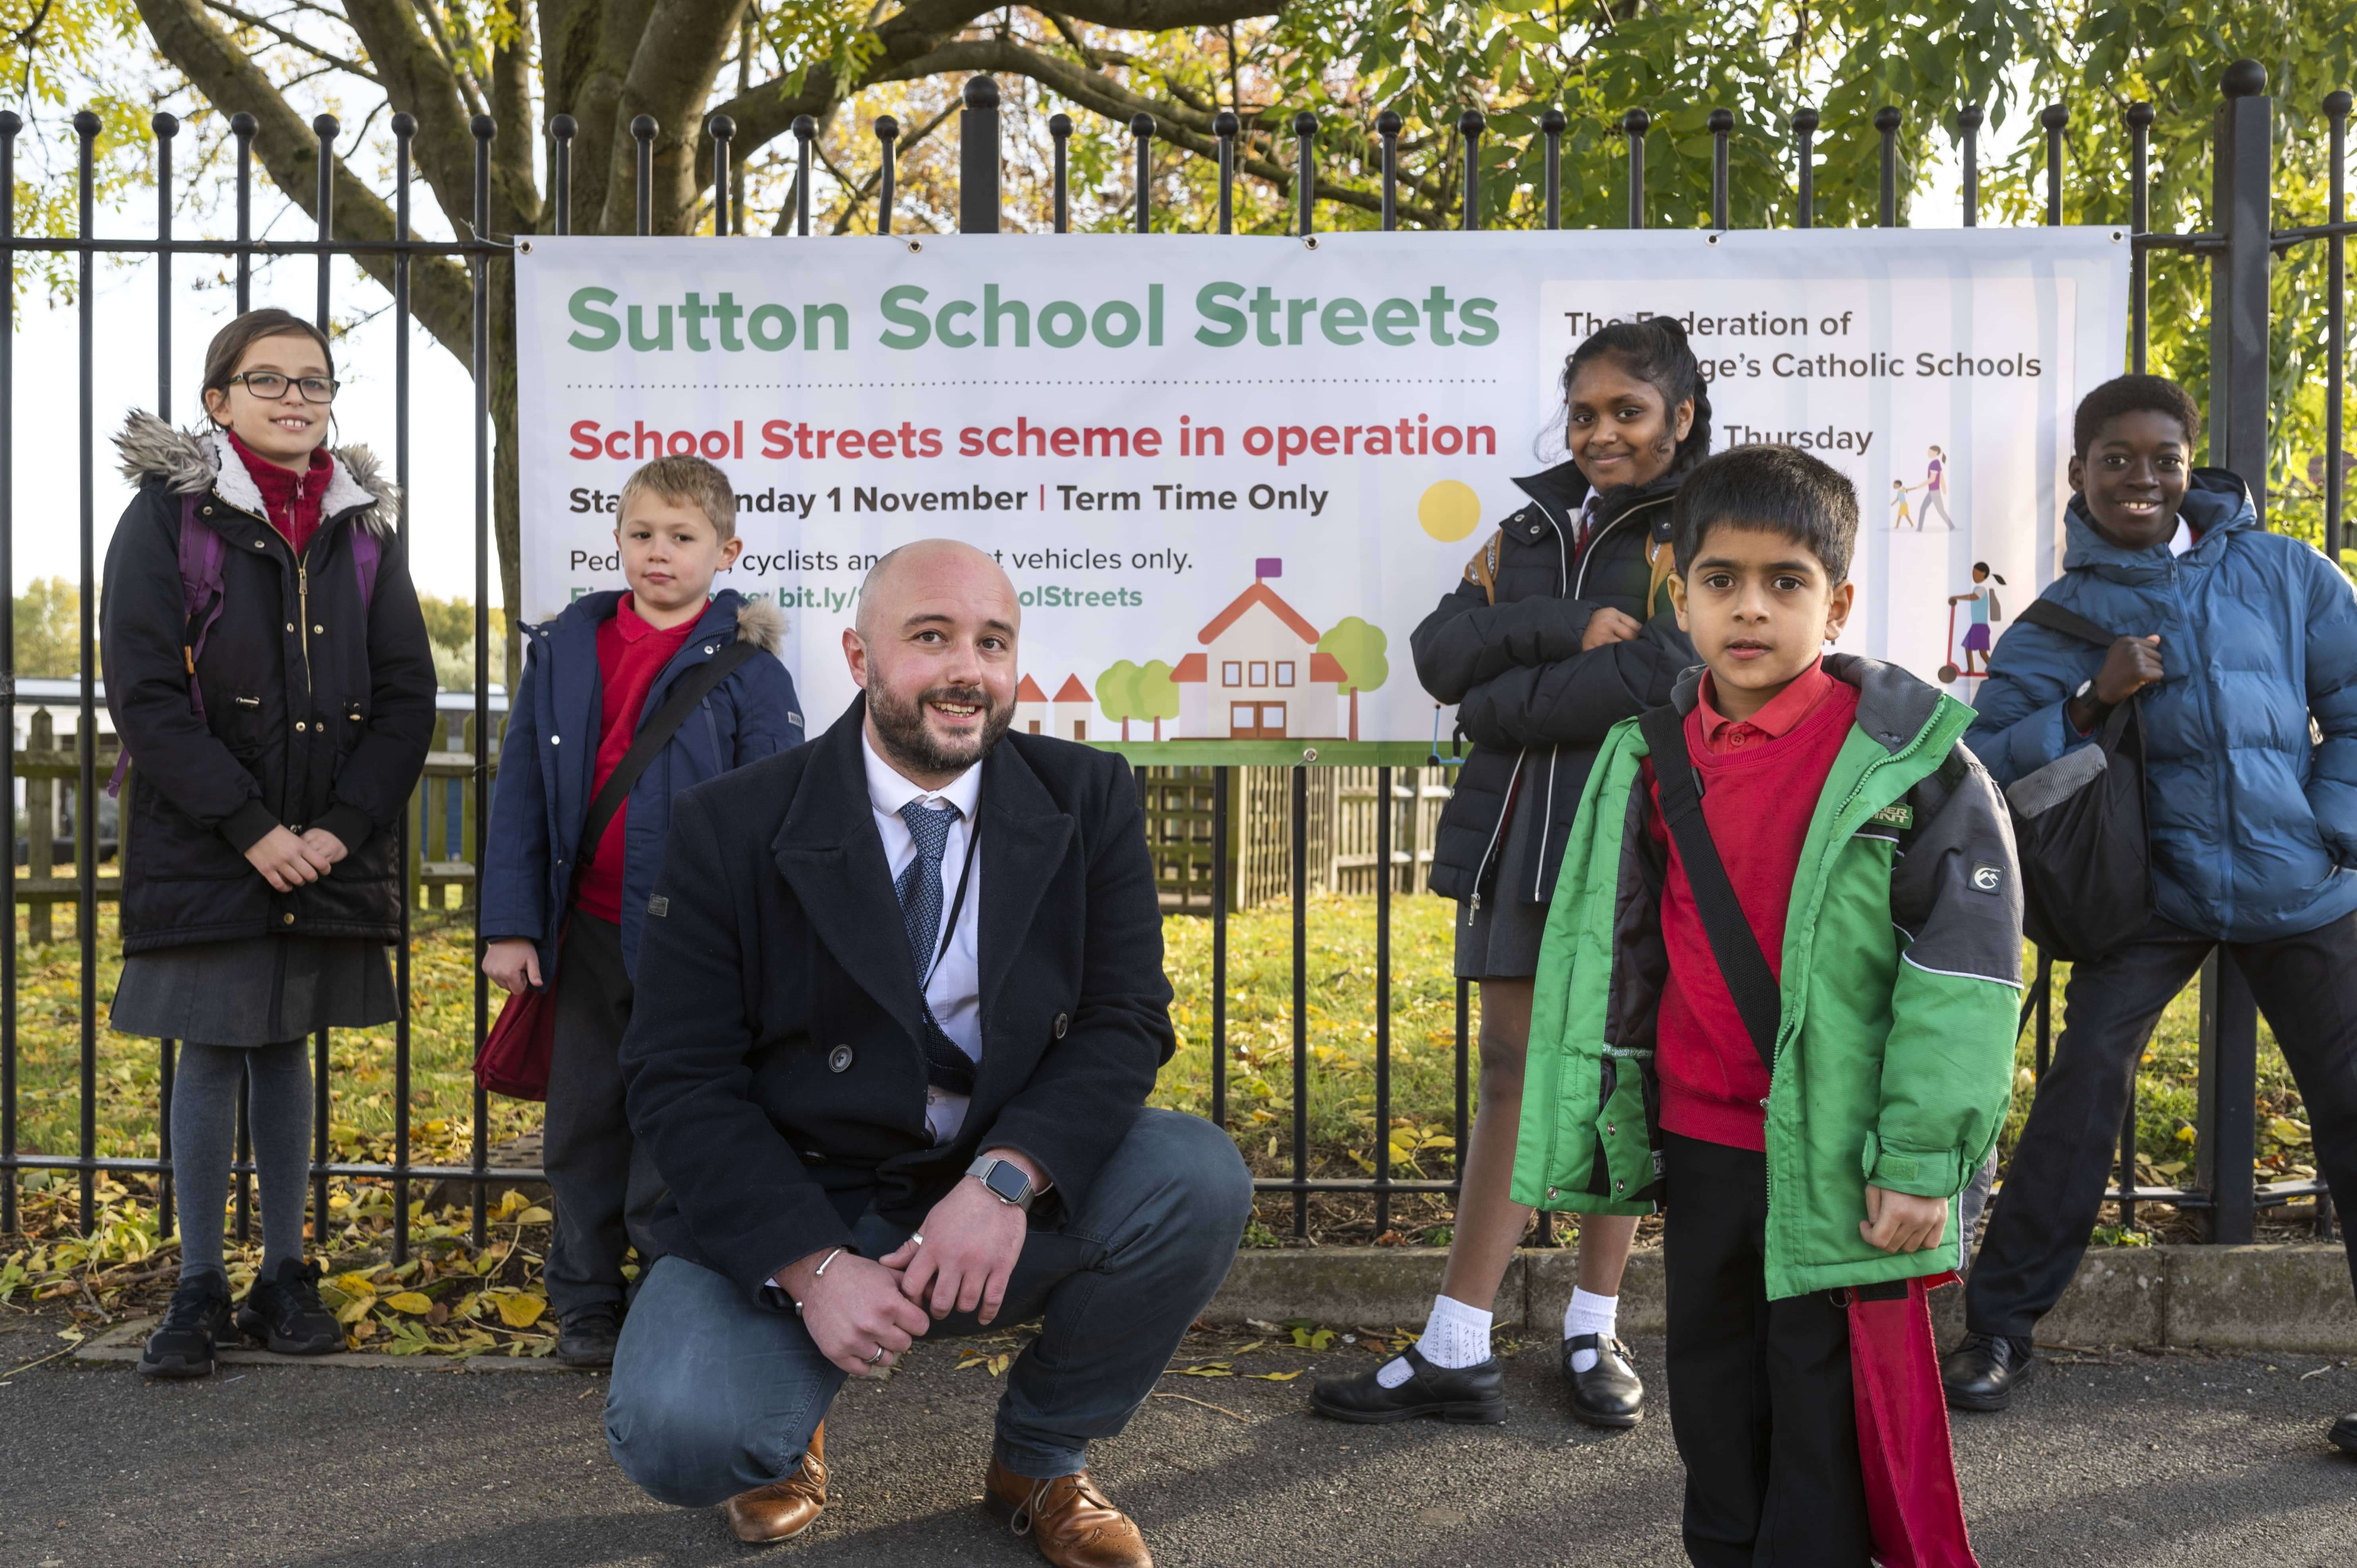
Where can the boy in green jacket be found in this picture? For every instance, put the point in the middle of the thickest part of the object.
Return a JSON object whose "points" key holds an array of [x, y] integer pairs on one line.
{"points": [[1808, 1110]]}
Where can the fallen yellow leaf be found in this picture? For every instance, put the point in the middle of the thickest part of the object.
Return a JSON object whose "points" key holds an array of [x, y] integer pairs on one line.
{"points": [[519, 1311], [536, 1215], [409, 1301], [1273, 1376]]}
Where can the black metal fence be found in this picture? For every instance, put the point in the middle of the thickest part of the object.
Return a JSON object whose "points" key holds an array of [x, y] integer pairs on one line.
{"points": [[2240, 249]]}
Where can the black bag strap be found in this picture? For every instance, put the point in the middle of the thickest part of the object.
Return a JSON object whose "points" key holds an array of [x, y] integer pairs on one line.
{"points": [[1732, 941], [654, 735], [2045, 612]]}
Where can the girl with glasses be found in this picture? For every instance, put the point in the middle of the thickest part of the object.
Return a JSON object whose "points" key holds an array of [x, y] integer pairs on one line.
{"points": [[269, 674]]}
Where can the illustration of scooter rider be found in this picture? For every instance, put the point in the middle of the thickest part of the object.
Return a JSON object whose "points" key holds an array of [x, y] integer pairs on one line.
{"points": [[1983, 599]]}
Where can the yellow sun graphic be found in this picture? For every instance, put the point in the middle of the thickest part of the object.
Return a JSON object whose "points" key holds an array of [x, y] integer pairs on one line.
{"points": [[1448, 511]]}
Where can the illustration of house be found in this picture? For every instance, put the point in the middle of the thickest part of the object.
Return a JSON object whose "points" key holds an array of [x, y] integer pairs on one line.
{"points": [[1064, 715], [1069, 711], [1031, 716], [1260, 675]]}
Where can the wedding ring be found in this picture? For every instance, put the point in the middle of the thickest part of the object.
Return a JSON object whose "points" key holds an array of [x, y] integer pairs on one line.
{"points": [[916, 1239], [878, 1357]]}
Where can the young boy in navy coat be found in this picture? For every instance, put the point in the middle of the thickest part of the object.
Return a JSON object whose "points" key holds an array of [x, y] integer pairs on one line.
{"points": [[592, 677]]}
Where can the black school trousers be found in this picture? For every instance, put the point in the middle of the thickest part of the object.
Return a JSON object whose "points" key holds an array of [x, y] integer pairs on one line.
{"points": [[2305, 986], [1761, 1400], [605, 1187]]}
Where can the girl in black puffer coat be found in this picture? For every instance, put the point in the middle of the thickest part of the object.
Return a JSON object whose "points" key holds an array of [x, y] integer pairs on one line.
{"points": [[269, 674], [1559, 629]]}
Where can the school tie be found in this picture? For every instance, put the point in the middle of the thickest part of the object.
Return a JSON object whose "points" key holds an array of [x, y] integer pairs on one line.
{"points": [[920, 890]]}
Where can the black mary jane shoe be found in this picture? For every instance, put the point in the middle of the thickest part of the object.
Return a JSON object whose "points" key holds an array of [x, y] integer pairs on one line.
{"points": [[182, 1345], [1983, 1370], [284, 1312], [2343, 1434], [1610, 1394], [1475, 1396]]}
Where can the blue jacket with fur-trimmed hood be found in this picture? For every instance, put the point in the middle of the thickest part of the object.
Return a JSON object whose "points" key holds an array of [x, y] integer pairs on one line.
{"points": [[2252, 814], [550, 757]]}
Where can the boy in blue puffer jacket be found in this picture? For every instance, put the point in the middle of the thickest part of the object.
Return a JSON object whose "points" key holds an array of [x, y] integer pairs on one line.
{"points": [[2237, 639], [560, 912]]}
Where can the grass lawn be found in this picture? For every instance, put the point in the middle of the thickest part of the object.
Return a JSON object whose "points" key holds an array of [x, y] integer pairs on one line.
{"points": [[1342, 1117]]}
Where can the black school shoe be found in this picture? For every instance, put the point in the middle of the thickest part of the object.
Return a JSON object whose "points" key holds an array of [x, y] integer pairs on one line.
{"points": [[1471, 1394], [2343, 1434], [182, 1345], [1983, 1370], [587, 1335], [283, 1312], [1610, 1394]]}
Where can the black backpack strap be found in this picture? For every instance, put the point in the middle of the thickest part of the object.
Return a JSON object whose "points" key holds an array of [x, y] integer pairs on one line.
{"points": [[654, 735], [2045, 612], [1732, 941]]}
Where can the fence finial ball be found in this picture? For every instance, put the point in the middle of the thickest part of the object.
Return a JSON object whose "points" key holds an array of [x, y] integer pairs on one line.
{"points": [[483, 126], [10, 122], [643, 127], [1223, 124], [1971, 115], [1720, 119], [1805, 121], [2054, 116], [87, 124], [1141, 126], [1636, 123], [2244, 79], [244, 124], [805, 128], [1886, 118], [325, 127], [405, 124], [2337, 102], [982, 92], [722, 127], [168, 125], [564, 127], [1305, 124], [1388, 122], [1472, 123], [887, 127], [2141, 113], [1059, 126]]}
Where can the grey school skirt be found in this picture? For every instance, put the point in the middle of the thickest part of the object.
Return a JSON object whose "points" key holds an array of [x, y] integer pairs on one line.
{"points": [[1501, 939], [257, 991]]}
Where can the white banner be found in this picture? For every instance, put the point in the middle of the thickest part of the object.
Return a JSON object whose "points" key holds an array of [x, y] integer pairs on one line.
{"points": [[1229, 476]]}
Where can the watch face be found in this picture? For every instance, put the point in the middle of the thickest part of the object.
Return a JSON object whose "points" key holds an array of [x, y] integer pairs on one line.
{"points": [[1008, 1181]]}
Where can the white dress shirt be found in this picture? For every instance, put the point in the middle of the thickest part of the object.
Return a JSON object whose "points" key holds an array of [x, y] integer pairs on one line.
{"points": [[954, 993]]}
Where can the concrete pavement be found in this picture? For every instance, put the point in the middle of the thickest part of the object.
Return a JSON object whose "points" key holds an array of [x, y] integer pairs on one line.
{"points": [[2163, 1461]]}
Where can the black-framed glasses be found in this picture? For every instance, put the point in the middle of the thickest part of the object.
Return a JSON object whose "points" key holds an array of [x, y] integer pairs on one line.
{"points": [[271, 384]]}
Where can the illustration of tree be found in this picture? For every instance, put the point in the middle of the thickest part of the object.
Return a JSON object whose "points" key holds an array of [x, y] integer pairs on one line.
{"points": [[1117, 694], [1156, 694], [1358, 647]]}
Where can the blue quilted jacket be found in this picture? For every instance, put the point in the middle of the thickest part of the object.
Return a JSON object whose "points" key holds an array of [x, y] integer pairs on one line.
{"points": [[2252, 812]]}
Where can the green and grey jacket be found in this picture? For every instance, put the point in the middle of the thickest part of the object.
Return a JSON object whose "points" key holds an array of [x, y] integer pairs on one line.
{"points": [[1902, 976]]}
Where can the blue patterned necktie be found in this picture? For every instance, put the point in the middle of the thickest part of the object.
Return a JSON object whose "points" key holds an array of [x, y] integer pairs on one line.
{"points": [[920, 890]]}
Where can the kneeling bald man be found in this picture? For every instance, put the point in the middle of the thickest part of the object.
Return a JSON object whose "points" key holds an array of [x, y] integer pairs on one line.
{"points": [[900, 1000]]}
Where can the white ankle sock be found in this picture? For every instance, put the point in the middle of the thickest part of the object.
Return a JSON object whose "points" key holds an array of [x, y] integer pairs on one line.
{"points": [[1588, 1314], [1455, 1335]]}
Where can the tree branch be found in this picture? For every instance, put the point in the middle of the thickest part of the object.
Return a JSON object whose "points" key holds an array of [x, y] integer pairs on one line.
{"points": [[231, 83], [290, 40]]}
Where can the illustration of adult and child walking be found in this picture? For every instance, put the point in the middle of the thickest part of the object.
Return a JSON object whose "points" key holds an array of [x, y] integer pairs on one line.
{"points": [[1935, 496]]}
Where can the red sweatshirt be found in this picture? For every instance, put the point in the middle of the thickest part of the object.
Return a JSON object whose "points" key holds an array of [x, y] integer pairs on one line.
{"points": [[291, 502], [631, 654], [1761, 780]]}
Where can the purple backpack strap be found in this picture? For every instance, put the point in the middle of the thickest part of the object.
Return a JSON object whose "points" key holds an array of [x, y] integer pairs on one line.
{"points": [[366, 552], [201, 552]]}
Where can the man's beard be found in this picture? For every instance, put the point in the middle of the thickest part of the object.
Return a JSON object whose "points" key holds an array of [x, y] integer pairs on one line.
{"points": [[909, 742]]}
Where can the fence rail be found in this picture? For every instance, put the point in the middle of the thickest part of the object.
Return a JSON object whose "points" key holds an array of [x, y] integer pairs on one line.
{"points": [[1225, 838]]}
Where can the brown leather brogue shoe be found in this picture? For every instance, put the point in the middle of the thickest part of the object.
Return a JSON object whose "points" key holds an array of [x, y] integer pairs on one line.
{"points": [[783, 1510], [1067, 1517]]}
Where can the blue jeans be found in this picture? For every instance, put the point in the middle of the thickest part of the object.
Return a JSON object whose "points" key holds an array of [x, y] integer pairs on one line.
{"points": [[714, 1394]]}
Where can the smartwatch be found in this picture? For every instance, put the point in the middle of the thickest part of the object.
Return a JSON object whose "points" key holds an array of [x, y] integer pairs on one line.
{"points": [[1004, 1179]]}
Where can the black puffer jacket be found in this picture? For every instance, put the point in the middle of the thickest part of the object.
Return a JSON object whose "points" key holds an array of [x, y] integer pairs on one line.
{"points": [[317, 714], [1534, 706]]}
